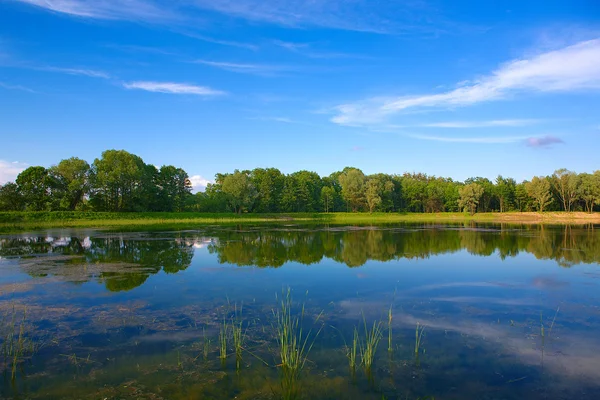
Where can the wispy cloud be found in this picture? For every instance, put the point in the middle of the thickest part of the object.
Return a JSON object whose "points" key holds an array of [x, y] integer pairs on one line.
{"points": [[571, 68], [544, 141], [144, 10], [357, 15], [199, 183], [480, 140], [306, 50], [16, 87], [76, 71], [275, 119], [10, 170], [483, 124], [223, 42], [243, 68], [173, 88]]}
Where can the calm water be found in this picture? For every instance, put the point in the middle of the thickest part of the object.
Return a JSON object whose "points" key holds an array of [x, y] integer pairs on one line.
{"points": [[507, 312]]}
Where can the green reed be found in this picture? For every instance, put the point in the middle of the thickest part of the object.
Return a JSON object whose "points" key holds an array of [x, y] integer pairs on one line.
{"points": [[238, 336], [294, 344], [16, 345], [419, 331], [368, 347], [223, 341], [390, 346]]}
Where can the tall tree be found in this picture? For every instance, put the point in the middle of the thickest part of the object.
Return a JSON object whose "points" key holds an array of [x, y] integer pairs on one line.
{"points": [[269, 185], [505, 190], [72, 177], [11, 198], [35, 185], [539, 190], [565, 184], [117, 179], [372, 194], [589, 190], [470, 196], [173, 187], [239, 189], [352, 181], [327, 194]]}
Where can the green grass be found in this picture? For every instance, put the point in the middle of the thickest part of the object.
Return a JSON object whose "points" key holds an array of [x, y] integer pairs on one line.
{"points": [[21, 221], [368, 346], [15, 344], [419, 331], [294, 344], [223, 342]]}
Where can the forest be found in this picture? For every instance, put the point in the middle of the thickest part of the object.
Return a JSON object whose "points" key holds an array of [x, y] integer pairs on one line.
{"points": [[119, 181]]}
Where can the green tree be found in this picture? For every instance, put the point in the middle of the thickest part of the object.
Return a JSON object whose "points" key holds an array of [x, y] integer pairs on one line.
{"points": [[505, 191], [269, 185], [327, 194], [118, 180], [72, 177], [352, 181], [372, 194], [539, 190], [239, 190], [35, 185], [565, 184], [173, 187], [589, 190], [10, 197], [470, 196]]}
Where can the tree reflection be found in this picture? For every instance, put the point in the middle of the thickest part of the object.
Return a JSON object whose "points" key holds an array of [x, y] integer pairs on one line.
{"points": [[124, 262], [121, 263]]}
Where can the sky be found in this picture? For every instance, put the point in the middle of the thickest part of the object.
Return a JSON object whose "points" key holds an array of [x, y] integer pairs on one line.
{"points": [[449, 88]]}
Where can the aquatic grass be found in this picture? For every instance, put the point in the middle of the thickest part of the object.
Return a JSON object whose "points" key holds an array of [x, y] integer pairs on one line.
{"points": [[419, 331], [16, 344], [294, 342], [368, 347], [390, 316], [223, 342], [238, 335]]}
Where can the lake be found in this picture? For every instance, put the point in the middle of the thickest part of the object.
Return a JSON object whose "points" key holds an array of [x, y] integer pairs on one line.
{"points": [[390, 312]]}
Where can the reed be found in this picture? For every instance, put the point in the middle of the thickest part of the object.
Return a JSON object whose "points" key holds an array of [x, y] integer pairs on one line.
{"points": [[16, 345], [294, 343], [419, 331], [238, 336], [368, 347], [223, 341]]}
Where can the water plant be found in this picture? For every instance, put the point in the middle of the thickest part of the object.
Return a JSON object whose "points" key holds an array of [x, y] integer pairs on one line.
{"points": [[294, 344], [368, 347], [419, 331], [16, 345], [238, 336], [390, 315], [223, 342]]}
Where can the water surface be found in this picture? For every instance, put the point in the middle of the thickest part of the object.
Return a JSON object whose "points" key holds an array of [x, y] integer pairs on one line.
{"points": [[507, 312]]}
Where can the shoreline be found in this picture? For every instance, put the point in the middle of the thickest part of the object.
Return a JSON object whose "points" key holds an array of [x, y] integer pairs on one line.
{"points": [[23, 221]]}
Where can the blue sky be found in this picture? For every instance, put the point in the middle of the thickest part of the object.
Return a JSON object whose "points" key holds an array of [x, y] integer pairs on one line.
{"points": [[448, 88]]}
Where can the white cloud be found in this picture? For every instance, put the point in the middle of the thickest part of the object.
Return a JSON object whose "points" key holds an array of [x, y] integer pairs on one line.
{"points": [[356, 15], [16, 87], [106, 9], [76, 71], [10, 170], [199, 183], [256, 69], [483, 124], [572, 68], [480, 140], [173, 88]]}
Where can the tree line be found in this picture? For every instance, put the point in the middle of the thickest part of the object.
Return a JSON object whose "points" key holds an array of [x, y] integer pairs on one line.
{"points": [[121, 181]]}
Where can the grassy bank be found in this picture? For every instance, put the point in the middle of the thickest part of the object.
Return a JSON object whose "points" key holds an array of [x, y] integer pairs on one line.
{"points": [[21, 221]]}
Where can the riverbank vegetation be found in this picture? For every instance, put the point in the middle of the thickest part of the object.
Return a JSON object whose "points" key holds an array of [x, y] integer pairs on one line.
{"points": [[121, 182]]}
